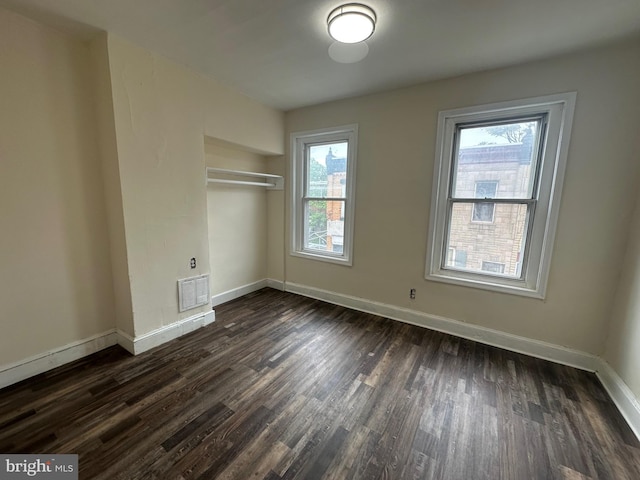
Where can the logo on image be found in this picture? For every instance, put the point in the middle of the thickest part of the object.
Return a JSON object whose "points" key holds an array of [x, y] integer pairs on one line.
{"points": [[55, 467]]}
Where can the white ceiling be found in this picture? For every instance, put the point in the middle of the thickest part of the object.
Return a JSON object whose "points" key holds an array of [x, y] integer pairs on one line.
{"points": [[276, 50]]}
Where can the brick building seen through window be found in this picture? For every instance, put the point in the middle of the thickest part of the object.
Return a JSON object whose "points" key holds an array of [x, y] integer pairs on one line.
{"points": [[489, 236]]}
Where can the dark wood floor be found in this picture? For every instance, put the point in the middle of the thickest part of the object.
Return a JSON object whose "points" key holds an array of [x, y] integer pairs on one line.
{"points": [[284, 387]]}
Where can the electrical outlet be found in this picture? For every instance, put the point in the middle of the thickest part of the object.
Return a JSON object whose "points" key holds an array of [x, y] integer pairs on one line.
{"points": [[193, 262], [412, 294]]}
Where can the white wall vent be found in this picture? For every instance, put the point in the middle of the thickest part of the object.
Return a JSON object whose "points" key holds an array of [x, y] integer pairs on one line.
{"points": [[193, 292]]}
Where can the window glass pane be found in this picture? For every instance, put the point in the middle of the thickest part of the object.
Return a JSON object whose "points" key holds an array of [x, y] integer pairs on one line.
{"points": [[327, 170], [486, 189], [494, 267], [503, 153], [483, 212], [456, 257], [486, 245], [325, 225]]}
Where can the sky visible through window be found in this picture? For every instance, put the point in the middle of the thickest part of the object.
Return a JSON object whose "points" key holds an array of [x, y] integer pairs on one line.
{"points": [[319, 152], [474, 137]]}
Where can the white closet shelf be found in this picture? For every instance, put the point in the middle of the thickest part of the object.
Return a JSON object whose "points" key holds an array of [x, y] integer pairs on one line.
{"points": [[271, 182]]}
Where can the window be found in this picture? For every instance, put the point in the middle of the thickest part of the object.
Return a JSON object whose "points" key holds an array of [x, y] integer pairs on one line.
{"points": [[323, 166], [483, 212], [514, 154]]}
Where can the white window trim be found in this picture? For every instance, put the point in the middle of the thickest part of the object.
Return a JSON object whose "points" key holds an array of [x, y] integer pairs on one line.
{"points": [[299, 140], [560, 109]]}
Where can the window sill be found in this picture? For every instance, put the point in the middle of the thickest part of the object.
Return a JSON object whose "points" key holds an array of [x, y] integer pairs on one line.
{"points": [[515, 288], [322, 258]]}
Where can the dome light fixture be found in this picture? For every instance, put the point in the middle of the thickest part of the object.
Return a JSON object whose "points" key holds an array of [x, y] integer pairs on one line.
{"points": [[351, 23]]}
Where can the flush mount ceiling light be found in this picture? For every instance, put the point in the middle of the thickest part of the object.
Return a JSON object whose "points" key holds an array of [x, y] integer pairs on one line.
{"points": [[351, 23]]}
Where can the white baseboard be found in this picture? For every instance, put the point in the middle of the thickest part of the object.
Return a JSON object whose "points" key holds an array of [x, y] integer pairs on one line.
{"points": [[34, 365], [621, 394], [276, 284], [229, 295], [125, 341], [496, 338], [157, 337]]}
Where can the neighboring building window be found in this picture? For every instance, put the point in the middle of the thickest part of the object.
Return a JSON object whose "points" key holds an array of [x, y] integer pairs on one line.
{"points": [[323, 166], [456, 258], [460, 259], [483, 212], [513, 153], [493, 267], [451, 255]]}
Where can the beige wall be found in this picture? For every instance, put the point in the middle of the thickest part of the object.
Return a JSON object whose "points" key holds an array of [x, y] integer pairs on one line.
{"points": [[162, 112], [395, 166], [55, 279], [623, 346], [237, 221], [103, 99]]}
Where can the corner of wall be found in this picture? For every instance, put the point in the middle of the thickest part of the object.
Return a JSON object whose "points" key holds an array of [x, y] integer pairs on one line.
{"points": [[111, 181]]}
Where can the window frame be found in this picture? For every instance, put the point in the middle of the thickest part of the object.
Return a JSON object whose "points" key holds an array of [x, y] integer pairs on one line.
{"points": [[558, 110], [300, 143]]}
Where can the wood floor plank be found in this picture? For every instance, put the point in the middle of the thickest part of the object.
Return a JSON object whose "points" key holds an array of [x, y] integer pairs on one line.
{"points": [[284, 387]]}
